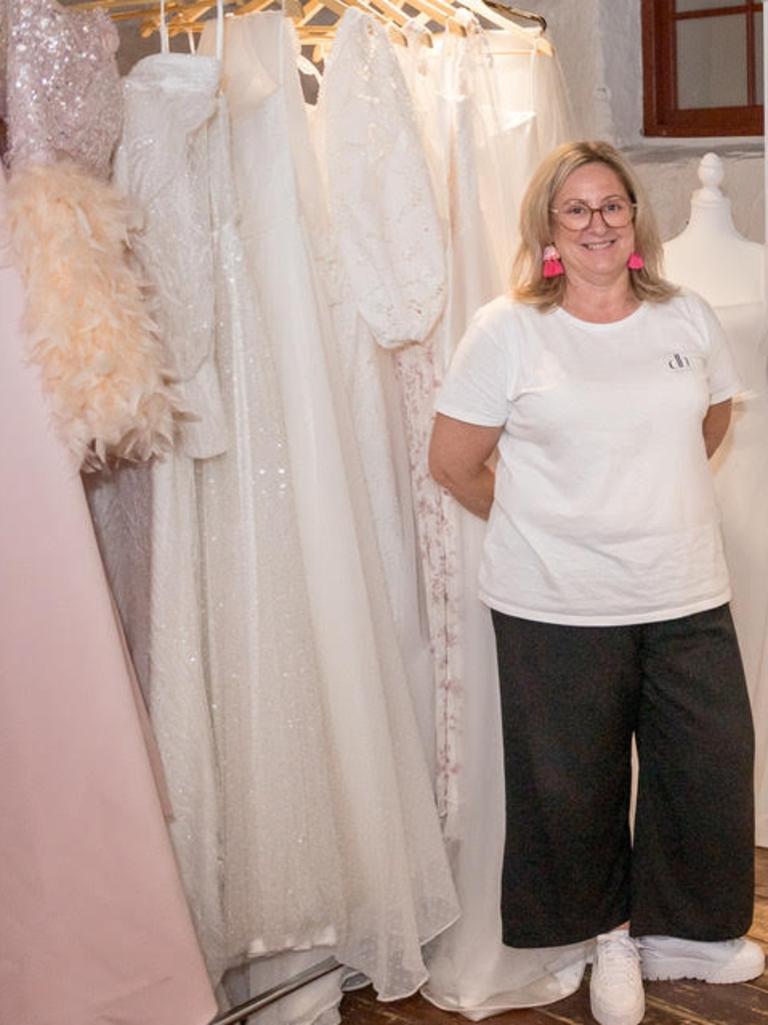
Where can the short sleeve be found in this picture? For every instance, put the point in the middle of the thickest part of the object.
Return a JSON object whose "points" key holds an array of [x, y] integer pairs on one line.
{"points": [[724, 382], [477, 388]]}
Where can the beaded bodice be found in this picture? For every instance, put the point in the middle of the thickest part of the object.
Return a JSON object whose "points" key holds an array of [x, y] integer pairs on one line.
{"points": [[64, 95]]}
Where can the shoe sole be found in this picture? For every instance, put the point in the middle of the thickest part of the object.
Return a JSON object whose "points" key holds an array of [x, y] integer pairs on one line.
{"points": [[688, 968], [614, 1018]]}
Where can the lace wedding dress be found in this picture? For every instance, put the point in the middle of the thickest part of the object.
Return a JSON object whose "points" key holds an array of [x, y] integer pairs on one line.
{"points": [[393, 874], [390, 289]]}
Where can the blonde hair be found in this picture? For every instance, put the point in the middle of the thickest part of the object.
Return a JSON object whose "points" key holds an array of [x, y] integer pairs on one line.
{"points": [[528, 282]]}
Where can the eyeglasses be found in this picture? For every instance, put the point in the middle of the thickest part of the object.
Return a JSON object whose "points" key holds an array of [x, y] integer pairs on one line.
{"points": [[577, 215]]}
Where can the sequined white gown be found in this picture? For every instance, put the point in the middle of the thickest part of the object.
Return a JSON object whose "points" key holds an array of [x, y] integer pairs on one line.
{"points": [[394, 874], [234, 682]]}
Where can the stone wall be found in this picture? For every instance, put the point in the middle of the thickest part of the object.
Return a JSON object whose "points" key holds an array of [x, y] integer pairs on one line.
{"points": [[600, 50]]}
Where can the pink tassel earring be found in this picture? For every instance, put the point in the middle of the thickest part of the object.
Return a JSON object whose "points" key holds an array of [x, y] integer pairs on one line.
{"points": [[552, 267], [635, 261]]}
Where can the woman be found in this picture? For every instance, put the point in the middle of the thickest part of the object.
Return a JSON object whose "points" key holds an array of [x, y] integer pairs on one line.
{"points": [[606, 389]]}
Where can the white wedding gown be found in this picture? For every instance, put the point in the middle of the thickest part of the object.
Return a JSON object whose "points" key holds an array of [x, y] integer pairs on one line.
{"points": [[170, 98], [389, 288], [741, 482], [710, 257], [483, 151], [393, 874], [234, 680]]}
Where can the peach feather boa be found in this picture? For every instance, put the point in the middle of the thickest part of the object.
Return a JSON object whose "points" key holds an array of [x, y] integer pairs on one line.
{"points": [[100, 358]]}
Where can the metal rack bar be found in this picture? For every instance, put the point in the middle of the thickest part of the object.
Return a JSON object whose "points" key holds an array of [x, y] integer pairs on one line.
{"points": [[269, 996]]}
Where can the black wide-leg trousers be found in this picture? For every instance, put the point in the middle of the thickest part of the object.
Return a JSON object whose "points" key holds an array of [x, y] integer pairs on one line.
{"points": [[572, 698]]}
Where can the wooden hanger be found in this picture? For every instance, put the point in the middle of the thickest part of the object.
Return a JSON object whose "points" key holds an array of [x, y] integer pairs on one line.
{"points": [[184, 16], [181, 14], [136, 6], [128, 10], [435, 10], [251, 7]]}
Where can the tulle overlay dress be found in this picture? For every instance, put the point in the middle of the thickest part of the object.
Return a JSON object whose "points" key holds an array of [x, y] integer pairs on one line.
{"points": [[393, 874]]}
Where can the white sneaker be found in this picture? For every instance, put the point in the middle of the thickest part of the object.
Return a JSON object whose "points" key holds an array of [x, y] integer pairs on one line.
{"points": [[667, 957], [616, 988]]}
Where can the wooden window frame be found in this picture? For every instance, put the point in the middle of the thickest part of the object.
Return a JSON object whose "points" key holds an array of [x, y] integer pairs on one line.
{"points": [[662, 117]]}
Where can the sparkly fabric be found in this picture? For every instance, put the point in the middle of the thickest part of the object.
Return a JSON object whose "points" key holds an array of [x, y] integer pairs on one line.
{"points": [[64, 98], [3, 58], [234, 682], [162, 165], [394, 874], [87, 323], [283, 883]]}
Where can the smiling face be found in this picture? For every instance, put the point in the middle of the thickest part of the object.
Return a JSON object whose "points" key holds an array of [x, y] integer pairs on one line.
{"points": [[597, 254]]}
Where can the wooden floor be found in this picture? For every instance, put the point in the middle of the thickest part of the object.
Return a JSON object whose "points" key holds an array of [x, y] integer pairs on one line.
{"points": [[667, 1003]]}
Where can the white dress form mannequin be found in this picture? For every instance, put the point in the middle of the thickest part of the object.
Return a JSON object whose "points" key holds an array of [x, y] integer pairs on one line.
{"points": [[710, 256], [727, 270]]}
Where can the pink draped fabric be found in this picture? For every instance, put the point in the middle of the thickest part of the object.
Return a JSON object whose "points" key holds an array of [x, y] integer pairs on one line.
{"points": [[94, 924]]}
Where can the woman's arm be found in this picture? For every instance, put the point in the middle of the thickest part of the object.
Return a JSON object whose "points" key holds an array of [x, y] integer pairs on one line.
{"points": [[458, 453], [715, 425]]}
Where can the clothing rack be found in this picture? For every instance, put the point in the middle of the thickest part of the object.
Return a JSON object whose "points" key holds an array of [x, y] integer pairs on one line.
{"points": [[517, 12], [270, 996], [186, 15]]}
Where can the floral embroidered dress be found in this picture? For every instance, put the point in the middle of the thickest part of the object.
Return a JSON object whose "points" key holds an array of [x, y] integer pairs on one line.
{"points": [[481, 137], [390, 290]]}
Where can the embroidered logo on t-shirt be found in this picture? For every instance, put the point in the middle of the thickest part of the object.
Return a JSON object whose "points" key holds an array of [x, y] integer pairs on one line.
{"points": [[679, 362]]}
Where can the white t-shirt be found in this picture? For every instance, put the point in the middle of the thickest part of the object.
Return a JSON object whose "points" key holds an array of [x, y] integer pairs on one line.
{"points": [[604, 510]]}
